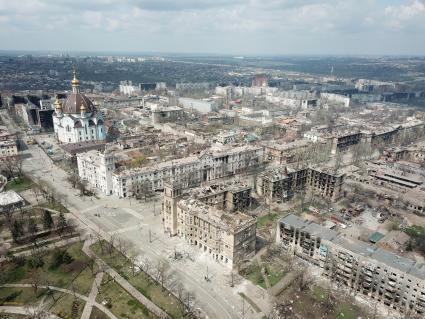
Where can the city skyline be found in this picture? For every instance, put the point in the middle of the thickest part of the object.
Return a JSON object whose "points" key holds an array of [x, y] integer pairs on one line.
{"points": [[236, 27]]}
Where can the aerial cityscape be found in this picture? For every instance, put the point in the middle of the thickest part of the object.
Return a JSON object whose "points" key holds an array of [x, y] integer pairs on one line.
{"points": [[212, 159]]}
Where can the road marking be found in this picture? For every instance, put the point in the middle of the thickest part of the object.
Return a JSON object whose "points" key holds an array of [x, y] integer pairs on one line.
{"points": [[127, 229]]}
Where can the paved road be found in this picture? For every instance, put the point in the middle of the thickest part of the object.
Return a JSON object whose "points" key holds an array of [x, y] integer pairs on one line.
{"points": [[216, 298]]}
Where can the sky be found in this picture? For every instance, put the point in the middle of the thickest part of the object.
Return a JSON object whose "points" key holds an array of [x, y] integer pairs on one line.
{"points": [[239, 27]]}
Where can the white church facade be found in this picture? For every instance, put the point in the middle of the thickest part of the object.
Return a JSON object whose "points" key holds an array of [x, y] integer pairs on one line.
{"points": [[77, 120]]}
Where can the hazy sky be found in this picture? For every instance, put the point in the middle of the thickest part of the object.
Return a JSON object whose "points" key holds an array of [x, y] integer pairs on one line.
{"points": [[216, 26]]}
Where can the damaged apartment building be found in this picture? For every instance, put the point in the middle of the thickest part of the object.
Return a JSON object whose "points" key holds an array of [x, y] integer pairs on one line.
{"points": [[35, 111], [282, 183], [401, 183], [382, 276], [206, 166], [210, 218]]}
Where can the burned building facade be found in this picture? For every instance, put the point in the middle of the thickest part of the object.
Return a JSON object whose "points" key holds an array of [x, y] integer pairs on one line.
{"points": [[210, 218], [380, 275]]}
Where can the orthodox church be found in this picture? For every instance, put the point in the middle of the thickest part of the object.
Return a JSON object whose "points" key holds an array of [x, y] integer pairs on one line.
{"points": [[77, 120]]}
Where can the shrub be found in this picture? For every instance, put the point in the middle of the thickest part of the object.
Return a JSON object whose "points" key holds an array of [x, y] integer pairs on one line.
{"points": [[35, 262], [59, 258]]}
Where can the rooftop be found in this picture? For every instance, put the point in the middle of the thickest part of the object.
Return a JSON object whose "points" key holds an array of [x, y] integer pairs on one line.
{"points": [[10, 198]]}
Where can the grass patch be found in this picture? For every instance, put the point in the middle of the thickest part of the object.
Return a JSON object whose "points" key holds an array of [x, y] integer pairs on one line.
{"points": [[266, 219], [274, 274], [273, 271], [66, 305], [319, 293], [97, 314], [141, 281], [19, 184], [415, 231], [120, 302], [346, 311], [20, 296], [55, 206], [252, 272]]}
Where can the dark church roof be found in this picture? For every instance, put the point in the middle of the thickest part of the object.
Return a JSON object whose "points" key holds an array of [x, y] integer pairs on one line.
{"points": [[74, 102]]}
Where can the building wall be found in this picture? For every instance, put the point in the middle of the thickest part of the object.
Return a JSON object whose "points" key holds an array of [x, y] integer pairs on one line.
{"points": [[195, 170], [96, 168], [361, 273], [8, 148], [79, 128]]}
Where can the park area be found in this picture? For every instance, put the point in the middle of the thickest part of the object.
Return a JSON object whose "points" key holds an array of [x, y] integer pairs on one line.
{"points": [[147, 279], [55, 278]]}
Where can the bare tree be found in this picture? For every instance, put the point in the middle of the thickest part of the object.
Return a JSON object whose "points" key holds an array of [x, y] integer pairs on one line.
{"points": [[35, 279], [73, 179], [132, 258], [161, 272], [35, 312], [7, 166], [110, 245]]}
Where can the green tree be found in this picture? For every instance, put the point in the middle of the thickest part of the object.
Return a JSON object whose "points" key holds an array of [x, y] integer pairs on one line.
{"points": [[32, 228], [60, 257], [47, 220], [62, 223], [17, 230]]}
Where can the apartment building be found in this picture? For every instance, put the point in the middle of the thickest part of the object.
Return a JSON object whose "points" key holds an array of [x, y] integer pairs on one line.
{"points": [[326, 182], [209, 218], [96, 168], [207, 166], [166, 114], [382, 276], [8, 144], [282, 153], [8, 149], [281, 183], [342, 140]]}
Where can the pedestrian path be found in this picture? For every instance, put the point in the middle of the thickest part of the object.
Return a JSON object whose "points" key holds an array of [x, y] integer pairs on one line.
{"points": [[124, 283], [66, 291]]}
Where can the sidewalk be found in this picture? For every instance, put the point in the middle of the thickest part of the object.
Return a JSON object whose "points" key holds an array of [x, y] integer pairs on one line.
{"points": [[124, 283]]}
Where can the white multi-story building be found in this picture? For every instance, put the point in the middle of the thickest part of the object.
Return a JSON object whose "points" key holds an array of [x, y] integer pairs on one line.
{"points": [[77, 120], [96, 168], [127, 88], [99, 170], [202, 106], [333, 98], [226, 137]]}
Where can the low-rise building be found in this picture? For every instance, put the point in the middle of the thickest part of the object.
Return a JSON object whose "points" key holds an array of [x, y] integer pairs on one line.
{"points": [[10, 201]]}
